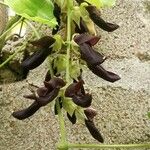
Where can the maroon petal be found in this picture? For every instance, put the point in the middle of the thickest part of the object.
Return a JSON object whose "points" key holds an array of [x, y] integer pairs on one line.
{"points": [[86, 38], [48, 76], [56, 82], [44, 42], [90, 55], [57, 13], [90, 113], [106, 75], [82, 28], [44, 100], [35, 59], [42, 91], [25, 113], [48, 85], [72, 118], [94, 14], [94, 131], [73, 88], [82, 100]]}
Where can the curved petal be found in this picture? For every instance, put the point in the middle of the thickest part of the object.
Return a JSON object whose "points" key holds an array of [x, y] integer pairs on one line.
{"points": [[90, 113], [86, 38], [36, 59], [25, 113], [57, 13], [82, 28], [82, 100], [106, 75], [72, 118], [74, 88], [94, 14], [94, 131], [44, 42], [44, 100], [91, 56]]}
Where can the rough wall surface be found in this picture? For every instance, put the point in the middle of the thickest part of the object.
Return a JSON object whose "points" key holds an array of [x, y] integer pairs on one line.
{"points": [[122, 106], [3, 17]]}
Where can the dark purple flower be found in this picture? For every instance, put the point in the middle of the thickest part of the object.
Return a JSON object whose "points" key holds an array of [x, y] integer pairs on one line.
{"points": [[60, 105], [38, 57], [94, 58], [57, 13], [82, 28], [93, 130], [101, 72], [72, 118], [95, 14], [78, 95], [86, 41], [44, 96], [27, 112], [47, 76], [90, 55], [90, 114], [86, 38]]}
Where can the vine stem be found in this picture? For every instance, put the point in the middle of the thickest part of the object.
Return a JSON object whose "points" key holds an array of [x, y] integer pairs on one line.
{"points": [[33, 28], [63, 142], [14, 25], [13, 55], [63, 145], [2, 3], [109, 146], [69, 7], [21, 28]]}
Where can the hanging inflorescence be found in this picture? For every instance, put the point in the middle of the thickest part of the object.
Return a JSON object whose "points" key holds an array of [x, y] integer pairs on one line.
{"points": [[70, 94]]}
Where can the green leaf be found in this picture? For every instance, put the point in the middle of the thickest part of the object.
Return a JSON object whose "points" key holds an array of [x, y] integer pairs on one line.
{"points": [[80, 114], [69, 106], [102, 3], [76, 14], [36, 10], [58, 43], [74, 70], [60, 63]]}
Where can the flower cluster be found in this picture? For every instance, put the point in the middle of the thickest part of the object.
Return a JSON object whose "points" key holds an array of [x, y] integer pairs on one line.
{"points": [[55, 85], [41, 97]]}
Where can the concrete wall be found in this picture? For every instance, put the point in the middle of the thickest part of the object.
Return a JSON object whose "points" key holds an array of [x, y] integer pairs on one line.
{"points": [[122, 106], [3, 17]]}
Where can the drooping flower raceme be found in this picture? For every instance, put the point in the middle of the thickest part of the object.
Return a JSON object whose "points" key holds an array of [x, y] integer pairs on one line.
{"points": [[56, 86]]}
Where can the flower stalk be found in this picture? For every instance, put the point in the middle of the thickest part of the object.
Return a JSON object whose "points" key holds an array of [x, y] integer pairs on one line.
{"points": [[98, 146], [69, 7], [63, 144]]}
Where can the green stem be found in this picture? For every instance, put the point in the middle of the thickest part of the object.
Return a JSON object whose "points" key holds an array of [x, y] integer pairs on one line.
{"points": [[33, 28], [63, 143], [2, 3], [13, 55], [69, 7], [109, 146], [21, 27], [20, 49], [14, 25]]}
